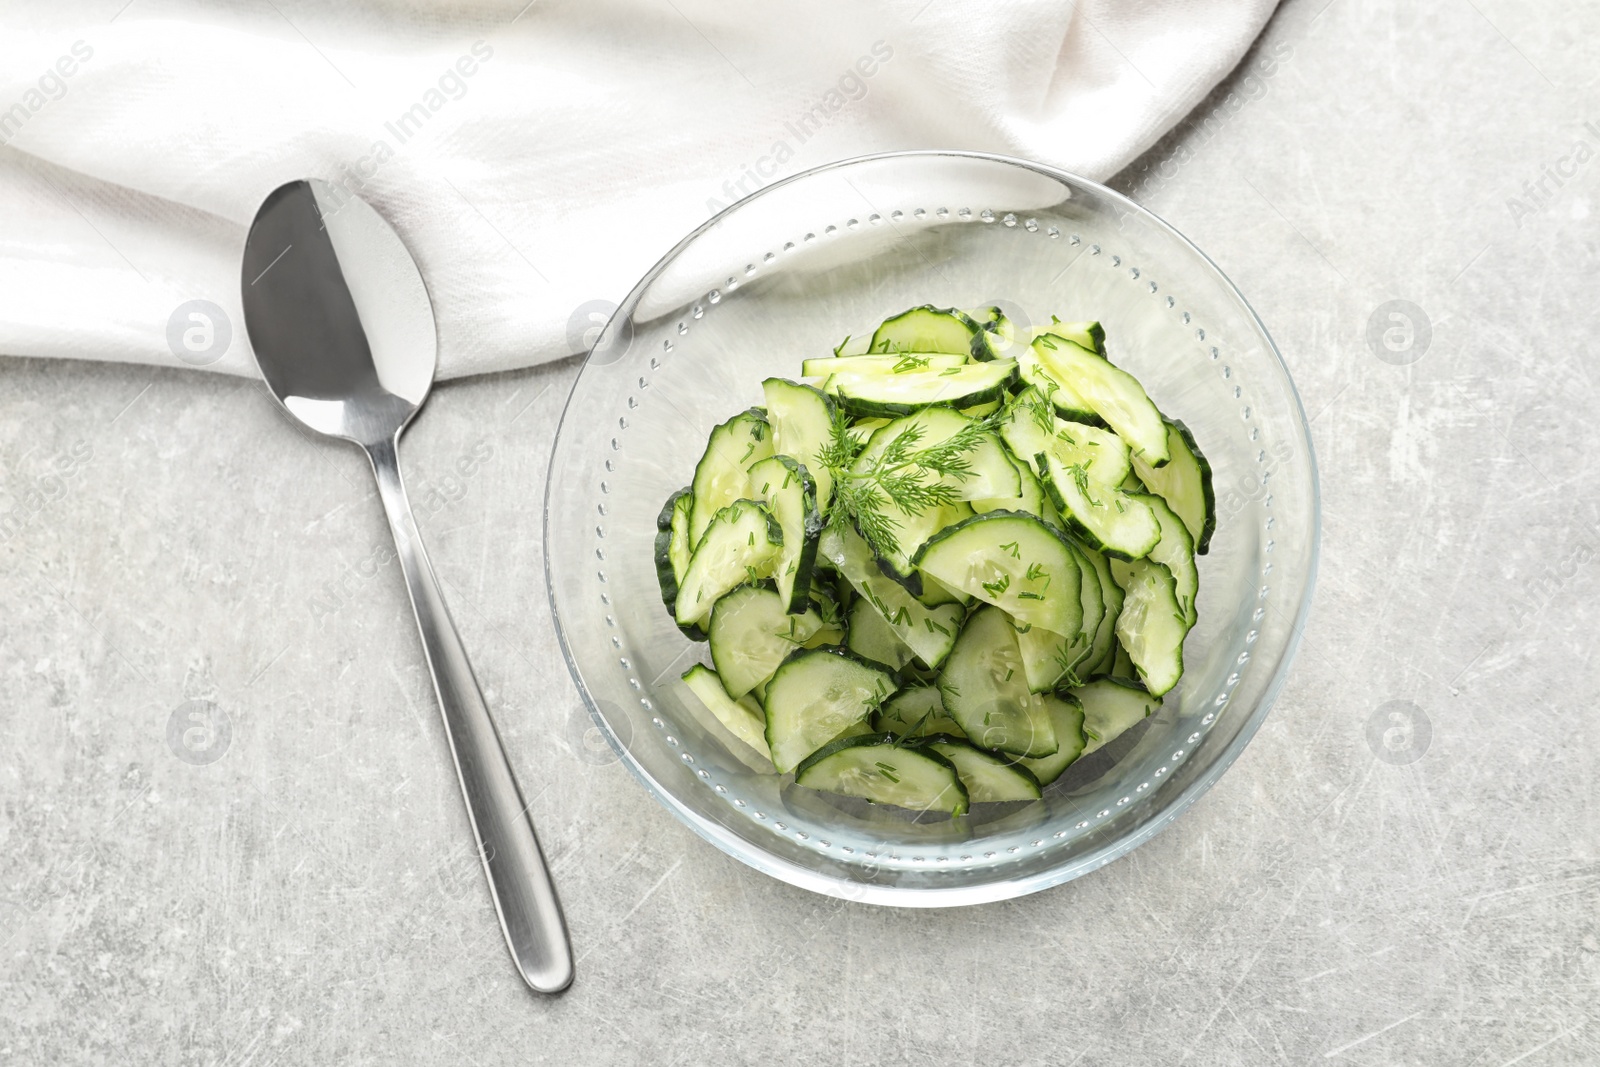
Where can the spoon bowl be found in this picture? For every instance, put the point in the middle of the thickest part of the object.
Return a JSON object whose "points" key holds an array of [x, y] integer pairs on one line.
{"points": [[337, 313]]}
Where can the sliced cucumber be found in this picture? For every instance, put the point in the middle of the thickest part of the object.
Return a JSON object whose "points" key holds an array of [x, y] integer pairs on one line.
{"points": [[934, 592], [814, 696], [1121, 665], [986, 777], [752, 632], [743, 718], [672, 548], [683, 540], [911, 535], [1094, 603], [1113, 394], [872, 638], [1103, 455], [916, 712], [1112, 707], [825, 599], [876, 767], [931, 329], [877, 366], [787, 489], [930, 631], [827, 635], [985, 690], [830, 594], [991, 318], [861, 431], [966, 386], [999, 331], [1105, 638], [802, 427], [853, 345], [1175, 551], [1052, 515], [1028, 427], [1066, 715], [1152, 624], [722, 475], [1109, 519], [1185, 484], [1050, 659], [1030, 497], [914, 532], [1090, 335], [1050, 554], [738, 546], [1013, 561], [1062, 398]]}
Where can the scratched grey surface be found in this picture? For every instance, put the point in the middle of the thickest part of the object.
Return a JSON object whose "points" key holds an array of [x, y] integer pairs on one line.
{"points": [[1402, 868]]}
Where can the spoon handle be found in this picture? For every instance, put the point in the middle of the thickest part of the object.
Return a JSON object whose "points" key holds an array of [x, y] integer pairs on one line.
{"points": [[519, 881]]}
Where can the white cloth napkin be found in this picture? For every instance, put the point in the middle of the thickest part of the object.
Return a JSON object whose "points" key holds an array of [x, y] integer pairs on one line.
{"points": [[536, 161]]}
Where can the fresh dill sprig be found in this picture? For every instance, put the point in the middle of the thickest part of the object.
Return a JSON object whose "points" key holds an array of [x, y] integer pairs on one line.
{"points": [[910, 363], [1069, 665], [912, 731], [902, 476], [1080, 475], [842, 448], [999, 586], [1040, 406]]}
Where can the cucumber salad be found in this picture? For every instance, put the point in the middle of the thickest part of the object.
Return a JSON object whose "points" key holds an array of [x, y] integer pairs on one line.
{"points": [[942, 565]]}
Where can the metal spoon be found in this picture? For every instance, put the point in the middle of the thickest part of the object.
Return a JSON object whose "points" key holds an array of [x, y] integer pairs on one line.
{"points": [[343, 333]]}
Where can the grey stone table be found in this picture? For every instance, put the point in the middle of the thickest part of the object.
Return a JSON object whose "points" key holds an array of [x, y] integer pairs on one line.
{"points": [[230, 834]]}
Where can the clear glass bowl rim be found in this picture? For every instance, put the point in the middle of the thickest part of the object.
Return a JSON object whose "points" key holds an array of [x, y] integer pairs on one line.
{"points": [[1002, 888]]}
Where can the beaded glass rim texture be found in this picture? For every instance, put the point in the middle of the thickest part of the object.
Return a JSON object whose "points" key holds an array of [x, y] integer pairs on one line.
{"points": [[923, 858]]}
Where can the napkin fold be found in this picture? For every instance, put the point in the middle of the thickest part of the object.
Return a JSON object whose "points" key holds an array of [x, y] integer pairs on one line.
{"points": [[536, 159]]}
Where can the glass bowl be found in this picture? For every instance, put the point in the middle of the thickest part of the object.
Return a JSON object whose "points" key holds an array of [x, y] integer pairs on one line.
{"points": [[786, 274]]}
